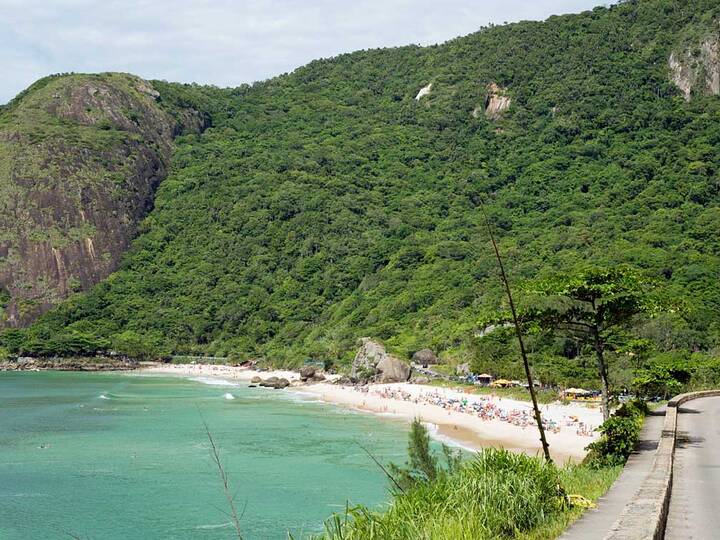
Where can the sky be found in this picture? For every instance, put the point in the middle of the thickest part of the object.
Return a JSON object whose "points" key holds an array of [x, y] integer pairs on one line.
{"points": [[227, 43]]}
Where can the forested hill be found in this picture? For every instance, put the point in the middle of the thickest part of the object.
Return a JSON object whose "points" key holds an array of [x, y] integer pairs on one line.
{"points": [[80, 158], [341, 201]]}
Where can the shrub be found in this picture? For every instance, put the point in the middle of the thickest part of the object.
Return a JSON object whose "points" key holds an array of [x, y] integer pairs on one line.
{"points": [[497, 494], [665, 376], [423, 464], [620, 434]]}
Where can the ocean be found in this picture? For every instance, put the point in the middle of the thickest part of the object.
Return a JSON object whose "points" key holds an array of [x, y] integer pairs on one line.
{"points": [[125, 456]]}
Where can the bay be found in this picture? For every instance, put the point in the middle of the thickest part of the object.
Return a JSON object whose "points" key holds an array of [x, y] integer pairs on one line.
{"points": [[121, 456]]}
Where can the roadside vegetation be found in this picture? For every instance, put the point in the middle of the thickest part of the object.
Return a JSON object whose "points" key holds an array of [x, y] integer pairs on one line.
{"points": [[328, 204], [492, 494]]}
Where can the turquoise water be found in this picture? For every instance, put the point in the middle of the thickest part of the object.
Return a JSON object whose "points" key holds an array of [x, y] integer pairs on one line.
{"points": [[124, 456]]}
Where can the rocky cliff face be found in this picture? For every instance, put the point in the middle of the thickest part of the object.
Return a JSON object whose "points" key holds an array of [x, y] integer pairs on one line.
{"points": [[696, 68], [80, 158], [496, 102]]}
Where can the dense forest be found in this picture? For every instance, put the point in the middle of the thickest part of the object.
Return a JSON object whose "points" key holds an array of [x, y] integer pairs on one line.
{"points": [[336, 202]]}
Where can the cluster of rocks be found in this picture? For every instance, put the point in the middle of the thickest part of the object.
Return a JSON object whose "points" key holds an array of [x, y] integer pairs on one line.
{"points": [[311, 374], [372, 363], [278, 383], [25, 363]]}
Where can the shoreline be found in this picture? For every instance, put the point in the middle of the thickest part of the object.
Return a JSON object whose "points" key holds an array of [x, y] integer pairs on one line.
{"points": [[453, 415], [79, 363]]}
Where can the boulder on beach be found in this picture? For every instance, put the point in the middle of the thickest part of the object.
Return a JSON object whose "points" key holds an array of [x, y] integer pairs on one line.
{"points": [[307, 372], [256, 380], [275, 382], [425, 357], [421, 380], [372, 361], [318, 377]]}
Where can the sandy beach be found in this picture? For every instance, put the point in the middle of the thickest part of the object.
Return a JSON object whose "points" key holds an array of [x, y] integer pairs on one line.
{"points": [[219, 371], [469, 420], [456, 416]]}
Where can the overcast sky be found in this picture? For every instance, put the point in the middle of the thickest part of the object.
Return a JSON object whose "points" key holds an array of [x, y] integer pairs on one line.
{"points": [[226, 42]]}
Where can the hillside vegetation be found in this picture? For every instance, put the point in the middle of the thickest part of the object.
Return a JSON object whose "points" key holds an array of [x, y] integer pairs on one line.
{"points": [[330, 203]]}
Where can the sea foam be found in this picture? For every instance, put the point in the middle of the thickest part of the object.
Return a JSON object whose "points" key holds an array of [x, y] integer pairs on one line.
{"points": [[214, 382], [434, 432]]}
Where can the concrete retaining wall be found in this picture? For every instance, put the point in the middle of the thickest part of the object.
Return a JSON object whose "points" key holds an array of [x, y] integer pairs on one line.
{"points": [[644, 518]]}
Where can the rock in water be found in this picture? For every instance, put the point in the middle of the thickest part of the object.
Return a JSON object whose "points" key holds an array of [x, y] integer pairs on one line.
{"points": [[256, 380], [373, 362], [275, 382]]}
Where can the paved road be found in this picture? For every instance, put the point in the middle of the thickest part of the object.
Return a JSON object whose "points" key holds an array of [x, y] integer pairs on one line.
{"points": [[595, 524], [695, 500]]}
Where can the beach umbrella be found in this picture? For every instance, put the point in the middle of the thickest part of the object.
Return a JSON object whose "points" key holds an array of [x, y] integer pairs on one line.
{"points": [[577, 391]]}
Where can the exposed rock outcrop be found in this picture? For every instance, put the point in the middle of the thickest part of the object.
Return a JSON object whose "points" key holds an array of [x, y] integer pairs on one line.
{"points": [[373, 362], [68, 364], [425, 357], [275, 382], [424, 91], [463, 369], [71, 198], [697, 67], [496, 102]]}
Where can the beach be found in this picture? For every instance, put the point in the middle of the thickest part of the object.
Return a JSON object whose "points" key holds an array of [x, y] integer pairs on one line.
{"points": [[454, 416]]}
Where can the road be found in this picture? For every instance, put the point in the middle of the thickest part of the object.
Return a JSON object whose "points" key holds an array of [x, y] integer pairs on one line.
{"points": [[595, 524], [695, 498]]}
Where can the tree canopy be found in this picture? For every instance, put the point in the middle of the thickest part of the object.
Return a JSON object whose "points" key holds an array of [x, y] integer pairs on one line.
{"points": [[329, 204]]}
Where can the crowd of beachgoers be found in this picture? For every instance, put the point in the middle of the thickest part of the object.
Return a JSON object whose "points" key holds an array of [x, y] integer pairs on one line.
{"points": [[470, 420], [481, 407]]}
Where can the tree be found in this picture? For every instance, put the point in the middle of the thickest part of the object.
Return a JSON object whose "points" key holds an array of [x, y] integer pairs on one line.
{"points": [[594, 306], [663, 377], [423, 464]]}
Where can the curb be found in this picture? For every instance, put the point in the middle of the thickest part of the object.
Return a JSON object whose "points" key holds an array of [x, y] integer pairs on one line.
{"points": [[644, 518]]}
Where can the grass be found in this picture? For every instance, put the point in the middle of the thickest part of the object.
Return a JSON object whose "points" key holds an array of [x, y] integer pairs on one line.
{"points": [[497, 494], [576, 480]]}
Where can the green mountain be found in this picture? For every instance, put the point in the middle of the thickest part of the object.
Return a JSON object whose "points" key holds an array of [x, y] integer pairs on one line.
{"points": [[80, 158], [344, 199]]}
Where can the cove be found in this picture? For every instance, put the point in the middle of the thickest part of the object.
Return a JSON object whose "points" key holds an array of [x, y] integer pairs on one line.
{"points": [[117, 456]]}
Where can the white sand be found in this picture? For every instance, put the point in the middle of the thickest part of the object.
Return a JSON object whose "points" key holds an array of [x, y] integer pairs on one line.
{"points": [[468, 429], [461, 428], [219, 371]]}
